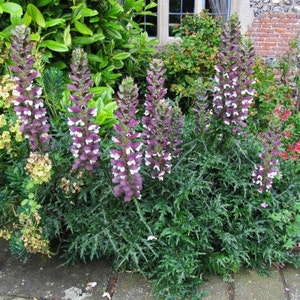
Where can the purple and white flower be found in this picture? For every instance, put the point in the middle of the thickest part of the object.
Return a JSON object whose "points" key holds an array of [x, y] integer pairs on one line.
{"points": [[162, 124], [233, 92], [28, 104], [84, 132], [127, 157]]}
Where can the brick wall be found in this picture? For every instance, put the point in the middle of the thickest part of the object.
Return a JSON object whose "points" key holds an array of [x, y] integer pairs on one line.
{"points": [[276, 23], [272, 32]]}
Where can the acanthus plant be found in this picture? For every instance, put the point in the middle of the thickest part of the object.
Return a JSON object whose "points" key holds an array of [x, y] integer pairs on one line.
{"points": [[233, 92], [201, 110], [267, 170], [126, 158], [162, 124], [84, 132], [28, 103]]}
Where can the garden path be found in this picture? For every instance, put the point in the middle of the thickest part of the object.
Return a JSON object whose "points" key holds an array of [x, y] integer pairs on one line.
{"points": [[41, 278]]}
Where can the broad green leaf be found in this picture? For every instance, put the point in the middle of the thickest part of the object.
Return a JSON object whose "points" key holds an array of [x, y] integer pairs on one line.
{"points": [[103, 90], [42, 3], [88, 40], [24, 202], [16, 20], [82, 28], [36, 15], [121, 56], [1, 10], [114, 11], [94, 57], [54, 22], [67, 37], [110, 107], [94, 20], [12, 8], [112, 33], [115, 25], [77, 12], [35, 37], [27, 19], [150, 5], [54, 46], [87, 12]]}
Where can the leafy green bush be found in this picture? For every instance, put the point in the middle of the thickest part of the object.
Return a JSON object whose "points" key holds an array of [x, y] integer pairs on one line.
{"points": [[269, 94], [194, 55], [106, 30]]}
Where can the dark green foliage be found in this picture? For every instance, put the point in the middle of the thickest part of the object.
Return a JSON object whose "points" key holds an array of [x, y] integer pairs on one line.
{"points": [[53, 82], [194, 55], [206, 217], [115, 44], [269, 94]]}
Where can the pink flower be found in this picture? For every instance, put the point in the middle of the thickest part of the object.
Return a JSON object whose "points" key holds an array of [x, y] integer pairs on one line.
{"points": [[282, 113], [297, 147], [264, 205]]}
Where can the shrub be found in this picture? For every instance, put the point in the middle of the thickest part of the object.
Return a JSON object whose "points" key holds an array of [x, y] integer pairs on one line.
{"points": [[106, 29], [193, 56]]}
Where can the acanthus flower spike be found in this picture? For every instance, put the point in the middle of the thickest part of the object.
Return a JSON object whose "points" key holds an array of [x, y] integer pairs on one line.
{"points": [[28, 102], [84, 132]]}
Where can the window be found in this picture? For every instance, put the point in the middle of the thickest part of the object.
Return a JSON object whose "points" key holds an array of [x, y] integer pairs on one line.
{"points": [[177, 10], [171, 12], [218, 8], [149, 23]]}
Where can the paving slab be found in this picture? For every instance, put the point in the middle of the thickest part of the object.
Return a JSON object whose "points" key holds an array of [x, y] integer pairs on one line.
{"points": [[249, 285], [44, 278], [215, 287], [132, 286], [292, 278]]}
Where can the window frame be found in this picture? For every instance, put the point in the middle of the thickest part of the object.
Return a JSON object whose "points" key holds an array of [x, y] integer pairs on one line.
{"points": [[163, 18]]}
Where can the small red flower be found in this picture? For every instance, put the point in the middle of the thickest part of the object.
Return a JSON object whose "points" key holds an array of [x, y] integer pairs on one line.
{"points": [[297, 147], [295, 156], [287, 134], [282, 113], [290, 148], [284, 155]]}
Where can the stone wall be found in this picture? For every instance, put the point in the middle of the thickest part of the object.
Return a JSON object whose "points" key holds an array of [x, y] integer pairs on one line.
{"points": [[275, 6], [276, 23]]}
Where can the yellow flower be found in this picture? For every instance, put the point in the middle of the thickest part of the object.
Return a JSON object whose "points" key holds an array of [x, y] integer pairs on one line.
{"points": [[6, 88], [15, 128], [39, 167], [5, 139], [3, 121]]}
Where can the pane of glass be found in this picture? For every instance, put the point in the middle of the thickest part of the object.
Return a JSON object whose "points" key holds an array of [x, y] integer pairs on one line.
{"points": [[178, 9], [175, 5], [174, 20], [218, 8], [188, 6], [152, 27]]}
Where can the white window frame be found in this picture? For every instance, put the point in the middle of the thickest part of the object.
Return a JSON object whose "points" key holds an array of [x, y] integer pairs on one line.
{"points": [[163, 19]]}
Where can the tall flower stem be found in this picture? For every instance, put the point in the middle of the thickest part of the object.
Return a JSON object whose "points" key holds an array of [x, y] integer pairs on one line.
{"points": [[162, 124], [84, 132], [267, 170], [28, 104], [126, 158], [233, 93]]}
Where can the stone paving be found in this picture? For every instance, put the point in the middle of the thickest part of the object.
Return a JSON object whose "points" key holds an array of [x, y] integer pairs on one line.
{"points": [[41, 278]]}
